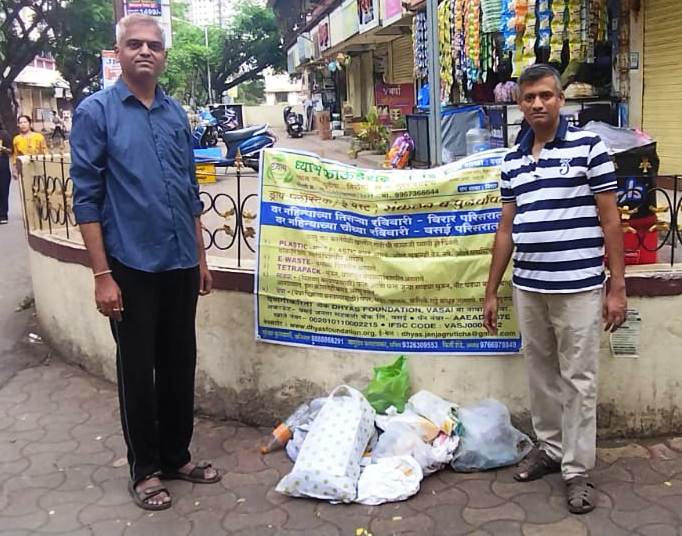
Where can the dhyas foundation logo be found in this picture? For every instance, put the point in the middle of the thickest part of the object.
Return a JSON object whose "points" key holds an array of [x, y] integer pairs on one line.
{"points": [[278, 169]]}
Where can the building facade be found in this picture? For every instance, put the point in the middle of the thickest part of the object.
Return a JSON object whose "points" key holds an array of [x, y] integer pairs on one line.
{"points": [[210, 12]]}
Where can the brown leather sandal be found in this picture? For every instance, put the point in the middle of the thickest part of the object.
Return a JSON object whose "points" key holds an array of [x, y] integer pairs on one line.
{"points": [[581, 495], [196, 475], [141, 498], [536, 465]]}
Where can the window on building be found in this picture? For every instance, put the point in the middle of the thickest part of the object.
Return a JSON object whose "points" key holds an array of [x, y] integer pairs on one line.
{"points": [[281, 97]]}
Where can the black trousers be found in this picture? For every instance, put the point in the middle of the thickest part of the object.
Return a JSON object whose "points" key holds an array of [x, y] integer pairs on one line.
{"points": [[156, 359], [5, 180]]}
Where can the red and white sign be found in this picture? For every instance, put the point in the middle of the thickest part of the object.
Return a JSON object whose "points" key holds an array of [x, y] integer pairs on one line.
{"points": [[111, 68], [397, 97]]}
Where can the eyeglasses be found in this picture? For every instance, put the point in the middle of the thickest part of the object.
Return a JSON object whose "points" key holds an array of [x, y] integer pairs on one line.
{"points": [[136, 44]]}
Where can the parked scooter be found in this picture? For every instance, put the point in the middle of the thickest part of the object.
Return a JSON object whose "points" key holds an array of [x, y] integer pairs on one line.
{"points": [[293, 122], [250, 142], [205, 134]]}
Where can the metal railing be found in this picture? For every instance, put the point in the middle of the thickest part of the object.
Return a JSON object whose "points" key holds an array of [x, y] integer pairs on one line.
{"points": [[661, 235], [231, 210], [228, 219]]}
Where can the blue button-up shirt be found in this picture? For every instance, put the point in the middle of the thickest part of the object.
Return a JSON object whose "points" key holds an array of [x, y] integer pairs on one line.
{"points": [[133, 171]]}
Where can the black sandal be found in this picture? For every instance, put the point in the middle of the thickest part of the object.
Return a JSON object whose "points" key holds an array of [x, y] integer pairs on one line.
{"points": [[536, 465], [581, 495], [141, 497], [196, 475]]}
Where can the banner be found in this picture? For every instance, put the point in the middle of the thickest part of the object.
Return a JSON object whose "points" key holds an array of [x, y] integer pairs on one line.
{"points": [[111, 68], [391, 11], [324, 34], [393, 100], [379, 260], [368, 14], [152, 8], [343, 22]]}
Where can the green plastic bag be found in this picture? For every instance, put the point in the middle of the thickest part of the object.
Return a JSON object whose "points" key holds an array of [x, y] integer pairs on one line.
{"points": [[390, 386]]}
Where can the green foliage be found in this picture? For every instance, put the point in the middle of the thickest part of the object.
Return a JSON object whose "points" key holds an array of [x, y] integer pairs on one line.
{"points": [[235, 54], [26, 29], [87, 29], [251, 93], [252, 44], [373, 135]]}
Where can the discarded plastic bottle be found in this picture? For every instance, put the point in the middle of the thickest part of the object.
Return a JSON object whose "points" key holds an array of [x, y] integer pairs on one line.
{"points": [[282, 433]]}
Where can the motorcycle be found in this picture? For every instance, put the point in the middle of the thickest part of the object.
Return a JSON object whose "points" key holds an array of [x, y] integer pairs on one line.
{"points": [[249, 141], [293, 122]]}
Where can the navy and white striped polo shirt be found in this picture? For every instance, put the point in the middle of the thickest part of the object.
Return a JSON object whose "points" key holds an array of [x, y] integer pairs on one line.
{"points": [[558, 238]]}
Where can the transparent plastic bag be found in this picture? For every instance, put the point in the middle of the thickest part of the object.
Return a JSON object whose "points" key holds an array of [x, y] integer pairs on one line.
{"points": [[488, 440]]}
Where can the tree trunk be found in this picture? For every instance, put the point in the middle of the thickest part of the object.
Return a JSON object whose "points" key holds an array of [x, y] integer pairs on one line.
{"points": [[8, 108]]}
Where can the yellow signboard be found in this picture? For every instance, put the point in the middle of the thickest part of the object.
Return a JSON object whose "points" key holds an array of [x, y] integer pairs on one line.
{"points": [[379, 260]]}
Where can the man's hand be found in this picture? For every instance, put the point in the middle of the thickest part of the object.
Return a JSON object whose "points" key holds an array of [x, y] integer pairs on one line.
{"points": [[205, 279], [615, 309], [490, 314], [108, 297]]}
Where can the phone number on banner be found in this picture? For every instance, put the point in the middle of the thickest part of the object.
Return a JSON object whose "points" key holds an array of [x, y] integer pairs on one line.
{"points": [[480, 346]]}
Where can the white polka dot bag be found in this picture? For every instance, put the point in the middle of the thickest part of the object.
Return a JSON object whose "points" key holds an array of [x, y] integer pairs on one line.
{"points": [[328, 465]]}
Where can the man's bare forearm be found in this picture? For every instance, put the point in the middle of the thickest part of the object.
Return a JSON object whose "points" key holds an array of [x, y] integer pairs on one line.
{"points": [[503, 247], [201, 252], [94, 243], [613, 237]]}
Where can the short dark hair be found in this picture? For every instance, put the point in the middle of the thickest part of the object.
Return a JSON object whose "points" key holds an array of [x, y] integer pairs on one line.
{"points": [[539, 71], [28, 118]]}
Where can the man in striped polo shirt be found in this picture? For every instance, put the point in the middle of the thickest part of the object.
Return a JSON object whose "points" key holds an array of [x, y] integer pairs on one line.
{"points": [[558, 191]]}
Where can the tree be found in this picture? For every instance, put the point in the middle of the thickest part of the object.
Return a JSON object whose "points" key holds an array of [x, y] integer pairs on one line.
{"points": [[185, 75], [252, 43], [27, 28], [87, 29], [251, 93]]}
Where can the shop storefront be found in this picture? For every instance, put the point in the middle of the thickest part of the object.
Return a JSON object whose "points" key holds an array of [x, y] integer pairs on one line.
{"points": [[662, 95], [486, 44]]}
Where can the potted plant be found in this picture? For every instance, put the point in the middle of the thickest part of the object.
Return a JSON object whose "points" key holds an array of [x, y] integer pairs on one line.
{"points": [[373, 136]]}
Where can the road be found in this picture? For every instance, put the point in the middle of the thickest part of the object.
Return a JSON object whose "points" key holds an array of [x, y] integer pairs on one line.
{"points": [[15, 288]]}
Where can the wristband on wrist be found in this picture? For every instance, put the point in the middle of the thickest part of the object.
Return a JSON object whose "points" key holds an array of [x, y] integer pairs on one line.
{"points": [[98, 274]]}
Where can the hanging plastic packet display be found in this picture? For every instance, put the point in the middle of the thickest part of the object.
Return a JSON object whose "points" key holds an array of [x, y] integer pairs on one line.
{"points": [[573, 29], [472, 28], [458, 49], [419, 31], [445, 23], [544, 19], [558, 29], [491, 15]]}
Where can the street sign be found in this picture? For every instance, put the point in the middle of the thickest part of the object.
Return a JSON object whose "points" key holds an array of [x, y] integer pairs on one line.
{"points": [[111, 68], [152, 8]]}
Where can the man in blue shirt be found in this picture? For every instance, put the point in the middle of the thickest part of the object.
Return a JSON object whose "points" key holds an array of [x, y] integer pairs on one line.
{"points": [[558, 190], [136, 200]]}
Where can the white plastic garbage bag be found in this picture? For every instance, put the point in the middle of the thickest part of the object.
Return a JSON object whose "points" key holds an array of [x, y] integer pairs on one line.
{"points": [[302, 428], [389, 480], [424, 427], [489, 440], [442, 413], [328, 464], [400, 439]]}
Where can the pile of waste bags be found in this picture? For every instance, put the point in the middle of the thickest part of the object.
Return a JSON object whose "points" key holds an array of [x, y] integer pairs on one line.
{"points": [[377, 447]]}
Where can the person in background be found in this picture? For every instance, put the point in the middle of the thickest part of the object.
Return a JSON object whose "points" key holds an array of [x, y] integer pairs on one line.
{"points": [[27, 142], [5, 174], [136, 200], [58, 127], [558, 191]]}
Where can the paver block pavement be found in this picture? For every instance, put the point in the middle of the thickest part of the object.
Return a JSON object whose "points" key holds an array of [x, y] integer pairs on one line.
{"points": [[63, 470]]}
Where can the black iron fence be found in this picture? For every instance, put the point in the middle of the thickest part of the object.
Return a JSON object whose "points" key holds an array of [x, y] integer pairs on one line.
{"points": [[228, 220], [231, 210]]}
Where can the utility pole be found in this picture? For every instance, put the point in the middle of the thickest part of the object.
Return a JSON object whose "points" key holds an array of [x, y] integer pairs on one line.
{"points": [[208, 66], [435, 136], [119, 10]]}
